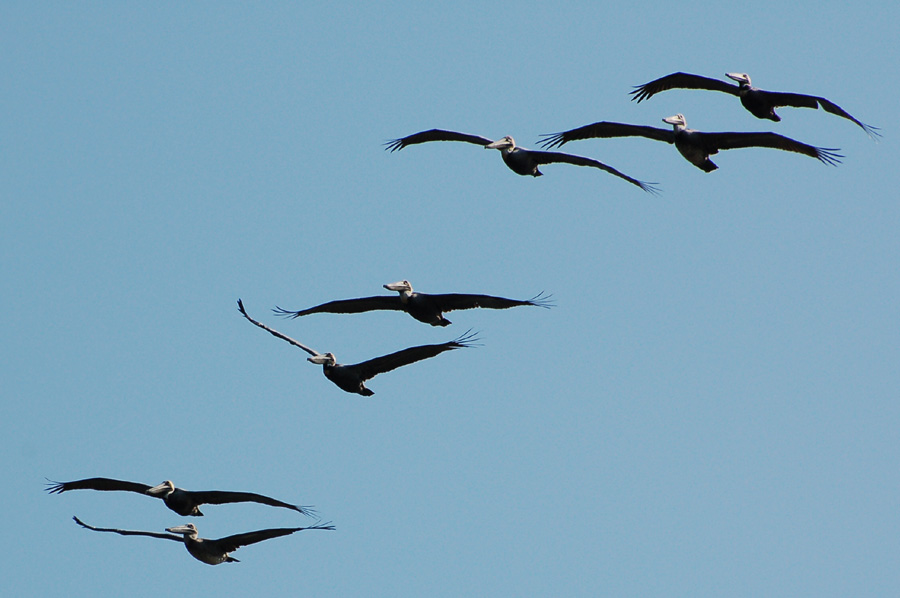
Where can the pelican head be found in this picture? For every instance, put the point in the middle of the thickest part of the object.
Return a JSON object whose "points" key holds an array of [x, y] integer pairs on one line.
{"points": [[676, 121], [323, 359], [164, 489], [742, 78], [507, 143], [188, 529], [403, 287]]}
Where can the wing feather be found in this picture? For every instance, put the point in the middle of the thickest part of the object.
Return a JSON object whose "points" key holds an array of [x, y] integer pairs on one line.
{"points": [[606, 129], [681, 81], [347, 306], [379, 365], [435, 135], [283, 337], [125, 532], [724, 141], [103, 484]]}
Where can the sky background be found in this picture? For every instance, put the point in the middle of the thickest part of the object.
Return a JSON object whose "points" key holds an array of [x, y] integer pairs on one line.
{"points": [[711, 407]]}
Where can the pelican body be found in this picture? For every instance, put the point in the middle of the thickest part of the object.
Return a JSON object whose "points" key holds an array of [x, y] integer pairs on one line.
{"points": [[695, 146], [758, 102], [211, 552], [352, 378], [421, 306], [184, 502], [520, 160]]}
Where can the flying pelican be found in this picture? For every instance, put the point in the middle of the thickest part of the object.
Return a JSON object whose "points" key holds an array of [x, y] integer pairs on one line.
{"points": [[695, 146], [423, 307], [520, 160], [758, 102], [184, 502], [211, 552], [352, 378]]}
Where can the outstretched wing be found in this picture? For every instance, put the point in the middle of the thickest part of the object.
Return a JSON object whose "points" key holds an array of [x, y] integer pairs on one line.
{"points": [[724, 141], [799, 100], [125, 532], [435, 135], [386, 363], [551, 157], [236, 541], [681, 81], [103, 484], [274, 332], [347, 306], [457, 301], [221, 497], [607, 129]]}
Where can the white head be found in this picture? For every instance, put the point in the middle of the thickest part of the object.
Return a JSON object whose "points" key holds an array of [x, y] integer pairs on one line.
{"points": [[164, 489], [322, 359], [676, 121], [742, 78], [507, 143], [402, 286]]}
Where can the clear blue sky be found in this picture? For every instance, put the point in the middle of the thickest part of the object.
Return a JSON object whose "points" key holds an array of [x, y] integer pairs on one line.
{"points": [[710, 409]]}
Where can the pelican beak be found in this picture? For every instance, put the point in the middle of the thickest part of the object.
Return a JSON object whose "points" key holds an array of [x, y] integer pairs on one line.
{"points": [[180, 529], [674, 120], [498, 145], [739, 77], [399, 286], [161, 489], [319, 359]]}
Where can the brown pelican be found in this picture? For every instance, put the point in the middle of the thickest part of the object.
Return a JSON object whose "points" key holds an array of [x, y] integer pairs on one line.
{"points": [[351, 378], [695, 146], [423, 307], [211, 552], [520, 160], [758, 102], [184, 502]]}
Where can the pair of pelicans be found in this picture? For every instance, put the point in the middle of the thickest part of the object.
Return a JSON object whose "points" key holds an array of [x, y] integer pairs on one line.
{"points": [[187, 504], [695, 146]]}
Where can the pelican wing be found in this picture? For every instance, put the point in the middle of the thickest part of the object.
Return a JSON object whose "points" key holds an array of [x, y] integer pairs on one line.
{"points": [[104, 484], [435, 135], [550, 157], [724, 141], [221, 497], [274, 332], [455, 301], [125, 532], [799, 100], [234, 542], [607, 129], [347, 306], [386, 363], [681, 81]]}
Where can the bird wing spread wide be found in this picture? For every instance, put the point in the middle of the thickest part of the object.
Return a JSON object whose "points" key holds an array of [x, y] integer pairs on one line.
{"points": [[681, 81]]}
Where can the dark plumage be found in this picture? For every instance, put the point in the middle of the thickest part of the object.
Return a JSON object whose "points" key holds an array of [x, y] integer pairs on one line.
{"points": [[211, 552], [758, 102], [695, 146], [352, 378], [184, 502], [519, 160], [421, 306]]}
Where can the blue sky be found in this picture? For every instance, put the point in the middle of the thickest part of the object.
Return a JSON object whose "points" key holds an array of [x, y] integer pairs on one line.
{"points": [[709, 409]]}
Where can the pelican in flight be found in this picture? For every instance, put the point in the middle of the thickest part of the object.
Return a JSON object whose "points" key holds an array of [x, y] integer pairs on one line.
{"points": [[352, 378], [423, 307], [520, 160], [695, 146], [758, 102], [184, 502], [211, 552]]}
